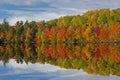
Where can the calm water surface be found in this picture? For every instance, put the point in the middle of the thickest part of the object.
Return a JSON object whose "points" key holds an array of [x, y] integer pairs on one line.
{"points": [[60, 62]]}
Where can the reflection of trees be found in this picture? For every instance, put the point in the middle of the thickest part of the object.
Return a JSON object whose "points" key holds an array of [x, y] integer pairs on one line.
{"points": [[101, 59], [115, 52]]}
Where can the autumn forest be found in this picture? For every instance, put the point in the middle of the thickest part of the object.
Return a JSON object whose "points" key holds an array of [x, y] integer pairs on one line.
{"points": [[89, 41], [93, 26]]}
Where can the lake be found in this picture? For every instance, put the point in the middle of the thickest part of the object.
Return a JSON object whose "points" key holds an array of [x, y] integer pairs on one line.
{"points": [[81, 61]]}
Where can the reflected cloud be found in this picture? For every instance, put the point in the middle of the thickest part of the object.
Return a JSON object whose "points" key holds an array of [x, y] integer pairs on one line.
{"points": [[45, 72], [32, 67]]}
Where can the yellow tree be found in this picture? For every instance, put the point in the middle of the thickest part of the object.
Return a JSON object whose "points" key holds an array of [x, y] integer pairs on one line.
{"points": [[86, 53], [38, 36], [86, 33], [77, 33]]}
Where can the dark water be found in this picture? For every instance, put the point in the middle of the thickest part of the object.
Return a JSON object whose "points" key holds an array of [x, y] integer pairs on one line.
{"points": [[60, 61]]}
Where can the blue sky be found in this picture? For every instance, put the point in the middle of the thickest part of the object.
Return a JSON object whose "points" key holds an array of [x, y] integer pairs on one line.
{"points": [[37, 10]]}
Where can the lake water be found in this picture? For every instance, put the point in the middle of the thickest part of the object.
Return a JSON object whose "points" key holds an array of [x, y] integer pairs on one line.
{"points": [[88, 61]]}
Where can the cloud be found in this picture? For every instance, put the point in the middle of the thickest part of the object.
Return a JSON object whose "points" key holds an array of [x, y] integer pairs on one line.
{"points": [[35, 14], [79, 4], [18, 15], [37, 67], [23, 2], [87, 77], [86, 4], [54, 10]]}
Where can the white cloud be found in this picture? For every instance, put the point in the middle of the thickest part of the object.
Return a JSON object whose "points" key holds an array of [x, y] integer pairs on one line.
{"points": [[50, 13], [18, 15], [57, 8], [33, 67]]}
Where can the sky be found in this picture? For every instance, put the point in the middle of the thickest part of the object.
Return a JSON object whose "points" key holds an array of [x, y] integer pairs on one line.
{"points": [[36, 10], [17, 10]]}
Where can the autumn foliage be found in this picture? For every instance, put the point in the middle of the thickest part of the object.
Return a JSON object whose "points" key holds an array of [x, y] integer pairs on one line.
{"points": [[90, 41]]}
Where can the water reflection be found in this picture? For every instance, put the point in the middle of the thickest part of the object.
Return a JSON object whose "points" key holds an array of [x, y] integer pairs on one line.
{"points": [[103, 59]]}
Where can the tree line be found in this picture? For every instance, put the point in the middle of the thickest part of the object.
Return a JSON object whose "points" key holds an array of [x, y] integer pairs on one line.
{"points": [[95, 26]]}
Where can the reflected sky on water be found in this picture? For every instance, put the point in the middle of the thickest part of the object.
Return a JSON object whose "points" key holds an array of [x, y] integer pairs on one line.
{"points": [[59, 62], [15, 71]]}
